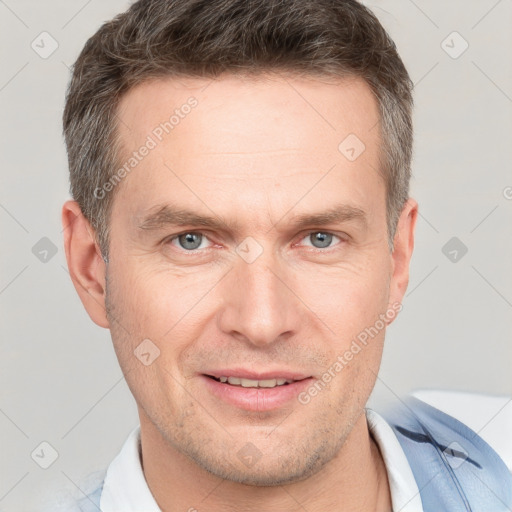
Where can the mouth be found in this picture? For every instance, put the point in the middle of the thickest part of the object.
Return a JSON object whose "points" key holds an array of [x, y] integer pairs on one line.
{"points": [[253, 383], [255, 392]]}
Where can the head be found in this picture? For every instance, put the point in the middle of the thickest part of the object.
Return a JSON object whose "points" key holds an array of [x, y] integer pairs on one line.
{"points": [[240, 172]]}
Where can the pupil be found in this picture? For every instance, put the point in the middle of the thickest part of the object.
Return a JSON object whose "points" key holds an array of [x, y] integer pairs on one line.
{"points": [[324, 239], [190, 240]]}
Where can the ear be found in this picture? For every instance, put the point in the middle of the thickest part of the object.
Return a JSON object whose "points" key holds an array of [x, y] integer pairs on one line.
{"points": [[85, 263], [402, 251]]}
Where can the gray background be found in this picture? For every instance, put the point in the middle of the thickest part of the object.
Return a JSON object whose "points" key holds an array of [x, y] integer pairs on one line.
{"points": [[60, 381]]}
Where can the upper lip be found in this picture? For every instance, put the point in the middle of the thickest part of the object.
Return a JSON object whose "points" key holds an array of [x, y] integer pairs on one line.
{"points": [[251, 374]]}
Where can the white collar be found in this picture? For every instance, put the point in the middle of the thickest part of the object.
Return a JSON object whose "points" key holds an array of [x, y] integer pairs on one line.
{"points": [[405, 495], [125, 488]]}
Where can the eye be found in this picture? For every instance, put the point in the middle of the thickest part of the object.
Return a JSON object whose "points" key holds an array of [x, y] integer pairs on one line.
{"points": [[193, 241], [321, 239], [189, 241]]}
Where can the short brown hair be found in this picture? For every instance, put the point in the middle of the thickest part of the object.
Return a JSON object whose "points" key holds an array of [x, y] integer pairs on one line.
{"points": [[204, 38]]}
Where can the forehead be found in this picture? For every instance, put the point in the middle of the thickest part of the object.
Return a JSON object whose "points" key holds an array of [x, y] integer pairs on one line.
{"points": [[257, 137], [327, 107]]}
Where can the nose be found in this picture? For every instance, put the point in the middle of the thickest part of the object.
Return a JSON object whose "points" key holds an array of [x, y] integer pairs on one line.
{"points": [[259, 304]]}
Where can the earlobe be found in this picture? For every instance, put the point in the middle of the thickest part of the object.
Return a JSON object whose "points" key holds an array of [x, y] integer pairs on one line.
{"points": [[85, 263], [402, 251]]}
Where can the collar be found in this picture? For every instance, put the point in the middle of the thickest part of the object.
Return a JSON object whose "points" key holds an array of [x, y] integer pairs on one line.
{"points": [[125, 488]]}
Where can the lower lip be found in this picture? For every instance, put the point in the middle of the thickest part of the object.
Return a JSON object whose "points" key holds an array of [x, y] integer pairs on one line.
{"points": [[256, 399]]}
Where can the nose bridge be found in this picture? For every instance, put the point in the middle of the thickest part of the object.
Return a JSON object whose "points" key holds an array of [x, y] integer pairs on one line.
{"points": [[258, 305]]}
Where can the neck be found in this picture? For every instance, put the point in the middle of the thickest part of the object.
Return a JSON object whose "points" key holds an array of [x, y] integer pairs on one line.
{"points": [[355, 479]]}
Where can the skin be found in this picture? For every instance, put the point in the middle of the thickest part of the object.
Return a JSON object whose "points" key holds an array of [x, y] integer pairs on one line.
{"points": [[259, 152]]}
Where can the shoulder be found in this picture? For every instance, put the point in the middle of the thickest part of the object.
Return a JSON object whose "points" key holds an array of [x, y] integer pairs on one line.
{"points": [[490, 416]]}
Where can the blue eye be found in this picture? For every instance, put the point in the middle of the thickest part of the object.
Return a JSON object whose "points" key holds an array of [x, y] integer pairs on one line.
{"points": [[194, 241], [323, 239], [320, 239], [189, 241]]}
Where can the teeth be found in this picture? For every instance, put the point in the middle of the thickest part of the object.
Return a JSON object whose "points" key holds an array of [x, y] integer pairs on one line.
{"points": [[270, 383], [250, 383]]}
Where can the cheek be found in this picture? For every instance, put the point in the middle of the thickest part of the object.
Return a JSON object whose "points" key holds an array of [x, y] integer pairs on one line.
{"points": [[347, 299], [167, 307], [147, 313], [155, 299]]}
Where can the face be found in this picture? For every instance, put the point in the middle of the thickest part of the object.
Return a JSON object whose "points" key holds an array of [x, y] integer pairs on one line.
{"points": [[245, 244]]}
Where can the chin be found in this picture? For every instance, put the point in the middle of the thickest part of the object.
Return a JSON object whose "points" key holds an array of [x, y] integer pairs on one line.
{"points": [[268, 473]]}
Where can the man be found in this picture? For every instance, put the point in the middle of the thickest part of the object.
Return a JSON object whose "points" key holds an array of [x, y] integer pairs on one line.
{"points": [[242, 224]]}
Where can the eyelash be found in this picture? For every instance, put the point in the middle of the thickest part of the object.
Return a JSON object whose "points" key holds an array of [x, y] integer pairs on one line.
{"points": [[195, 252]]}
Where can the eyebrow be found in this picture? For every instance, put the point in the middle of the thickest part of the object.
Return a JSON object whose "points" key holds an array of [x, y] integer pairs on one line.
{"points": [[171, 216]]}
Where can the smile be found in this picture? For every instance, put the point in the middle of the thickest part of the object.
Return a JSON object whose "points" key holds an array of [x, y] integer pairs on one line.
{"points": [[251, 383], [256, 395]]}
